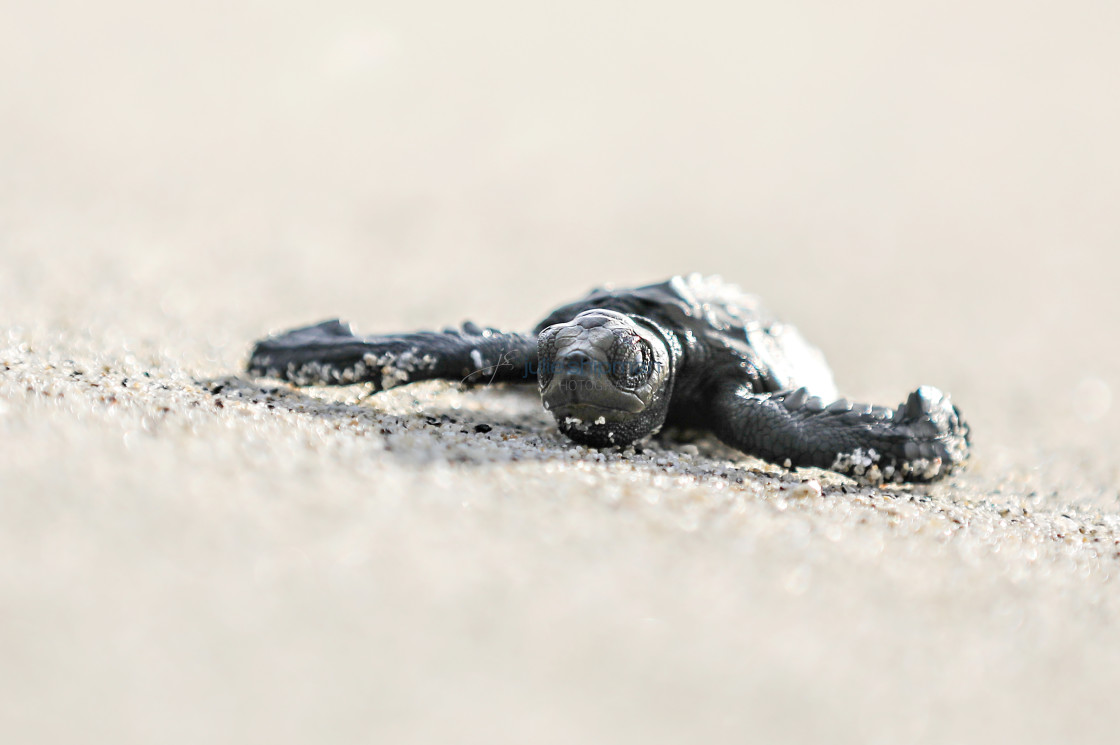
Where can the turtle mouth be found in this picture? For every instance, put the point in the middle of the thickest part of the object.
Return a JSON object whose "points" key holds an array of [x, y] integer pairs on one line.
{"points": [[570, 397], [592, 425], [589, 413]]}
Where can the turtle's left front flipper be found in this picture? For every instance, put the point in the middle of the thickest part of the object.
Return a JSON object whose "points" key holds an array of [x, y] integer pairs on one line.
{"points": [[329, 353], [925, 439]]}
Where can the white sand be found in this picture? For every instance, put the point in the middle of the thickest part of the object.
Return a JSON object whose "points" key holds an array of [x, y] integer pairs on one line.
{"points": [[929, 194]]}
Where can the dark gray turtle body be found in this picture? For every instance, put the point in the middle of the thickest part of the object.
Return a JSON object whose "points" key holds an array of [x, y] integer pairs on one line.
{"points": [[619, 364]]}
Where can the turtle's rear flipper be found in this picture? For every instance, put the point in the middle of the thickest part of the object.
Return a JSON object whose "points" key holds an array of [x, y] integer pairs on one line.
{"points": [[925, 439], [329, 353]]}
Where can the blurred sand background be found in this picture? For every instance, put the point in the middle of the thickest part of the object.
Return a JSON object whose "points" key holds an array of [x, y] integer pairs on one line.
{"points": [[928, 190]]}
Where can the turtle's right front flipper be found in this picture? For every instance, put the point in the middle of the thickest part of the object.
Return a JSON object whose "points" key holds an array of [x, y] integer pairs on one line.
{"points": [[925, 439], [329, 353]]}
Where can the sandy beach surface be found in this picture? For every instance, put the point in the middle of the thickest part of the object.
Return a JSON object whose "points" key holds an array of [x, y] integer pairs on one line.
{"points": [[190, 555]]}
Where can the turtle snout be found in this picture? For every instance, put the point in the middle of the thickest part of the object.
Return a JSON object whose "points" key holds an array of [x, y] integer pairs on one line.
{"points": [[576, 364], [580, 382], [573, 377]]}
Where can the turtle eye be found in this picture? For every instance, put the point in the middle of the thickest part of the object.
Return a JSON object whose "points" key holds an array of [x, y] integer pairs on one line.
{"points": [[631, 363]]}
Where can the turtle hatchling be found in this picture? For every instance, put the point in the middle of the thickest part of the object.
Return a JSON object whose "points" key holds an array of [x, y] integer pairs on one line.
{"points": [[620, 364]]}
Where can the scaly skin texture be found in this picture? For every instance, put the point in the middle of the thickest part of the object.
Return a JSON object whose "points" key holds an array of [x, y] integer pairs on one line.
{"points": [[923, 440], [329, 353], [722, 364]]}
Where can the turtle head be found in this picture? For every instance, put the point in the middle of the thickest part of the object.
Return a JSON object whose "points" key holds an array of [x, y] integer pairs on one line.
{"points": [[606, 377]]}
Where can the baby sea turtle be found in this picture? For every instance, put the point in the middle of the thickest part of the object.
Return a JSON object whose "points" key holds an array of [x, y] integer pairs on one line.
{"points": [[617, 365]]}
